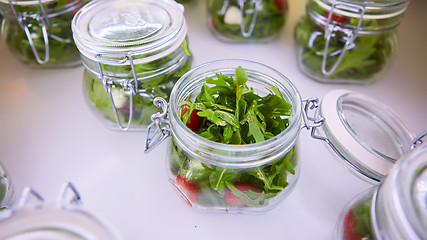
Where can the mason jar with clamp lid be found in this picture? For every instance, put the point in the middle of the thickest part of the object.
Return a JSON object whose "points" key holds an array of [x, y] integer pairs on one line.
{"points": [[33, 218], [366, 136], [240, 154], [133, 52], [396, 208], [247, 20], [348, 41], [38, 32]]}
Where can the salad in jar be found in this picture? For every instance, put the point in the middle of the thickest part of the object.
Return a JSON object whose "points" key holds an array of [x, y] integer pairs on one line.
{"points": [[154, 80], [236, 20], [42, 37], [356, 223], [227, 111], [346, 55]]}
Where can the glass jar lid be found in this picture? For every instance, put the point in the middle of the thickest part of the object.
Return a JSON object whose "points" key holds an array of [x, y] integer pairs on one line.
{"points": [[33, 219], [366, 134], [148, 29]]}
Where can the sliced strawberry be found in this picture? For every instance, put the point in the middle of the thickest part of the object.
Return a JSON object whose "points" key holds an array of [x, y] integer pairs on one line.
{"points": [[350, 226], [282, 5], [234, 201], [195, 120], [337, 18], [188, 189]]}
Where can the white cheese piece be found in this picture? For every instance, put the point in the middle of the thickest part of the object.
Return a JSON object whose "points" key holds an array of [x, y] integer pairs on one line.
{"points": [[233, 15], [120, 99]]}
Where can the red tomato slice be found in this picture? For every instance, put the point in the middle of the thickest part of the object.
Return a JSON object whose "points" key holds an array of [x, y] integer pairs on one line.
{"points": [[195, 120], [337, 18], [349, 227], [188, 189], [282, 5]]}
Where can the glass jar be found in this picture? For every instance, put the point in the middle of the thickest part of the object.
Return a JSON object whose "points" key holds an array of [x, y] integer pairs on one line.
{"points": [[221, 177], [7, 191], [133, 51], [32, 219], [247, 20], [38, 32], [395, 209], [348, 41]]}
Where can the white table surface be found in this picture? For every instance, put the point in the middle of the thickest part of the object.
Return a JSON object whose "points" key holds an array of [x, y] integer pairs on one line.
{"points": [[48, 136]]}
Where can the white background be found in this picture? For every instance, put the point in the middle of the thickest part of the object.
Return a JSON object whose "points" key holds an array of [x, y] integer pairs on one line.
{"points": [[48, 136]]}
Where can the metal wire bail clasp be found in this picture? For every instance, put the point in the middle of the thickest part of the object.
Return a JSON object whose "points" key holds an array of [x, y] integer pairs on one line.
{"points": [[127, 84], [351, 35], [43, 22], [254, 11], [161, 124], [69, 196], [311, 121]]}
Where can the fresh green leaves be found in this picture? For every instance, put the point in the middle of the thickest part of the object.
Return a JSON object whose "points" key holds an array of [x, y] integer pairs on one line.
{"points": [[149, 88], [269, 21], [367, 57], [362, 214], [234, 114], [185, 47]]}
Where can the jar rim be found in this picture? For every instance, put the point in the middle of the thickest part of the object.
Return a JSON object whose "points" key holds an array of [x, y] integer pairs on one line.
{"points": [[116, 28], [232, 155], [376, 9], [49, 218]]}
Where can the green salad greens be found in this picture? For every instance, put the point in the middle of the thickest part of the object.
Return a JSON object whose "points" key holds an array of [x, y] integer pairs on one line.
{"points": [[367, 57], [152, 83], [62, 50], [357, 221], [3, 188], [226, 18], [186, 2], [232, 113]]}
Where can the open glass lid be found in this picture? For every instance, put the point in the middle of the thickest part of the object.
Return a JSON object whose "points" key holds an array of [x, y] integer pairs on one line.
{"points": [[366, 134], [33, 219]]}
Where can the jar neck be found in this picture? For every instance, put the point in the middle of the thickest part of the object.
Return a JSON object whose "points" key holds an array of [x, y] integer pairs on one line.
{"points": [[360, 18], [399, 207], [120, 68], [260, 78]]}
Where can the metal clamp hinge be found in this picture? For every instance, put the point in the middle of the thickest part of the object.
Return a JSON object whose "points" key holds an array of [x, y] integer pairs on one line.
{"points": [[127, 84], [349, 38], [43, 23], [69, 195], [254, 11], [311, 121], [160, 123]]}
